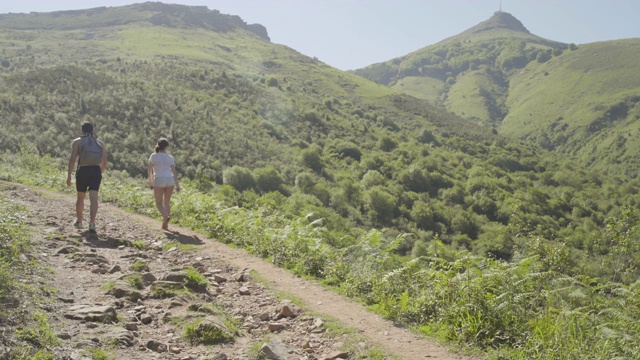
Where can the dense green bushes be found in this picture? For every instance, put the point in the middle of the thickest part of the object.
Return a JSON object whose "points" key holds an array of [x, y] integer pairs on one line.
{"points": [[300, 179], [539, 304]]}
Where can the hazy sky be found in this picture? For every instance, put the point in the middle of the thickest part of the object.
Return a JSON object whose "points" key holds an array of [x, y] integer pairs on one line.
{"points": [[349, 34]]}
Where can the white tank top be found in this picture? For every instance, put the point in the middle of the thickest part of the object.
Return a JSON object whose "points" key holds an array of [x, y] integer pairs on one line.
{"points": [[161, 164]]}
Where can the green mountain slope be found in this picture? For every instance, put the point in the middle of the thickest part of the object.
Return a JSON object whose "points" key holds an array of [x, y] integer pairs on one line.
{"points": [[298, 162], [365, 153], [584, 103], [467, 74], [580, 101]]}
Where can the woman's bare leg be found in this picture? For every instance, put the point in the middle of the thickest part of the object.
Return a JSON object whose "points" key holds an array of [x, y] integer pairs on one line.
{"points": [[166, 204], [158, 193]]}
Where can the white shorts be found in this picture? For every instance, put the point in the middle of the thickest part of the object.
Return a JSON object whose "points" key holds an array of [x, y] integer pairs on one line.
{"points": [[163, 182]]}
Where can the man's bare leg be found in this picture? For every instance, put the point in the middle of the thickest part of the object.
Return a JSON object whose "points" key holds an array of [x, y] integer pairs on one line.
{"points": [[93, 208], [80, 206]]}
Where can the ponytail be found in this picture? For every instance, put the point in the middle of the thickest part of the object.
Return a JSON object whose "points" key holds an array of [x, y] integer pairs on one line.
{"points": [[162, 144]]}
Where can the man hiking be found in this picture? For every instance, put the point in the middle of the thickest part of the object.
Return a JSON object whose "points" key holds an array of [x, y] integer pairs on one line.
{"points": [[92, 161]]}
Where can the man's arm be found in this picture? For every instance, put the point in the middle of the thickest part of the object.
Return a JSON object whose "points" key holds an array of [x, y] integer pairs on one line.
{"points": [[103, 164], [72, 160]]}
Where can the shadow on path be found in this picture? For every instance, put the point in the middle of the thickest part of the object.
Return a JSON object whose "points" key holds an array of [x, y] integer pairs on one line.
{"points": [[105, 242], [182, 238]]}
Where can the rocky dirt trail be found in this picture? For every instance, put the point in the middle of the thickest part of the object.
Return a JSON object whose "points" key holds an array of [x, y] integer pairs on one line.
{"points": [[123, 289]]}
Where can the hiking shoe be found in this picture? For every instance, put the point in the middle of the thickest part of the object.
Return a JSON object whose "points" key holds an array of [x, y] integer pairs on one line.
{"points": [[92, 228], [78, 225]]}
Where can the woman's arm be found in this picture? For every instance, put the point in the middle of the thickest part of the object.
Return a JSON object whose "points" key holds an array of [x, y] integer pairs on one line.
{"points": [[150, 173], [175, 176]]}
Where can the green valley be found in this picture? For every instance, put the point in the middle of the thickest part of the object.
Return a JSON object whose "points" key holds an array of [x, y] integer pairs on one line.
{"points": [[486, 240], [578, 100]]}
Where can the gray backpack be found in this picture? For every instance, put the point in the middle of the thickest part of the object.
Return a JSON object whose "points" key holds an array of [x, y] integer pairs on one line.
{"points": [[90, 151]]}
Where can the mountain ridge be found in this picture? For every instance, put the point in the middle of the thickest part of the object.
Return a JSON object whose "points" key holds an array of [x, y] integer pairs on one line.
{"points": [[155, 13], [498, 74]]}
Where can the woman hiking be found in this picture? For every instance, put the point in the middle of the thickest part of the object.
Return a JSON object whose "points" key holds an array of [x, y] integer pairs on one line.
{"points": [[163, 178]]}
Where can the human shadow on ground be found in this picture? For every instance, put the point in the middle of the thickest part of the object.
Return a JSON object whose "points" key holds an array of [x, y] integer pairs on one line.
{"points": [[182, 238], [106, 242]]}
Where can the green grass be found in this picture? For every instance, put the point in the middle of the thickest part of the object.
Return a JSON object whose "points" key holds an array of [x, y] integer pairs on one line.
{"points": [[139, 244], [253, 352], [35, 335], [136, 281], [201, 331], [39, 333], [421, 87], [98, 354], [139, 266], [195, 280], [108, 286]]}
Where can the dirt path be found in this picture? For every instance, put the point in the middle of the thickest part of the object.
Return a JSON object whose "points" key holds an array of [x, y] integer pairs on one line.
{"points": [[80, 277]]}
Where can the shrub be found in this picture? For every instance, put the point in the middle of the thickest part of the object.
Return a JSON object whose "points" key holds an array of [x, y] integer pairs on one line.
{"points": [[543, 56], [372, 178], [386, 143], [427, 137], [464, 223], [240, 178], [206, 332], [348, 149], [311, 158], [268, 179], [422, 215], [305, 182], [415, 179], [381, 204]]}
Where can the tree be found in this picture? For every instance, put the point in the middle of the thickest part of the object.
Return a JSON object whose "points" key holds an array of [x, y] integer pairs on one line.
{"points": [[372, 178], [239, 178], [268, 179], [311, 159], [386, 143], [381, 204], [426, 137], [305, 182], [422, 215], [464, 223]]}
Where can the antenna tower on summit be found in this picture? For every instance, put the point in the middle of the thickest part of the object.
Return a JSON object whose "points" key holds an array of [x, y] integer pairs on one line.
{"points": [[500, 8]]}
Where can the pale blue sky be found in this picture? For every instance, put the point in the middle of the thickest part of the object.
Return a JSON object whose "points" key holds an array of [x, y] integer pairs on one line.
{"points": [[350, 34]]}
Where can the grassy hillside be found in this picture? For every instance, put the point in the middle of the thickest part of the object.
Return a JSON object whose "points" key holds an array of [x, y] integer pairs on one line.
{"points": [[584, 103], [298, 161], [468, 74], [577, 100]]}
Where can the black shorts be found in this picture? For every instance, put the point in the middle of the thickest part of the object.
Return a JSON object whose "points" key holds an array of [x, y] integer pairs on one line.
{"points": [[88, 177]]}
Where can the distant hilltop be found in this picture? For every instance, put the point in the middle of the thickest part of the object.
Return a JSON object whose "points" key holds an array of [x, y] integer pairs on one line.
{"points": [[156, 13], [499, 20]]}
